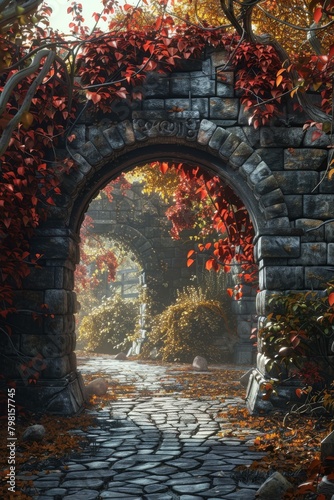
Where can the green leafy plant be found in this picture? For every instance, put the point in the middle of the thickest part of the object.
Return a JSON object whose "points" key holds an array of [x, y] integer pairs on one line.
{"points": [[297, 337], [109, 326], [192, 326]]}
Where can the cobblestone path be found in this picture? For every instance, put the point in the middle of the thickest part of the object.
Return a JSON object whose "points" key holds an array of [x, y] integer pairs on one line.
{"points": [[152, 446]]}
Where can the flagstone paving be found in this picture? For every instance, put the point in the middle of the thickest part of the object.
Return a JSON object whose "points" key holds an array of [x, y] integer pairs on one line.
{"points": [[151, 445]]}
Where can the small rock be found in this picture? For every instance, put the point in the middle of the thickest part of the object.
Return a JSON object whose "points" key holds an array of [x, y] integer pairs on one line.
{"points": [[274, 487], [121, 356], [326, 487], [99, 387], [200, 364], [34, 433]]}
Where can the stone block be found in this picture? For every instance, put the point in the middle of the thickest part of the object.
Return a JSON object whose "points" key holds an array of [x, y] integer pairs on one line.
{"points": [[316, 278], [84, 167], [79, 132], [57, 368], [276, 211], [329, 231], [304, 159], [250, 165], [300, 182], [272, 156], [226, 88], [56, 301], [223, 108], [219, 58], [244, 306], [180, 84], [294, 205], [201, 105], [330, 254], [47, 346], [71, 183], [278, 246], [315, 138], [205, 132], [96, 137], [281, 278], [318, 206], [281, 137], [272, 198], [262, 171], [40, 278], [154, 104], [54, 247], [179, 103], [31, 300], [218, 138], [311, 253], [126, 131], [244, 328], [156, 85], [265, 186], [89, 152], [312, 231], [201, 84], [326, 185], [241, 154], [229, 146], [54, 325], [114, 137], [253, 137]]}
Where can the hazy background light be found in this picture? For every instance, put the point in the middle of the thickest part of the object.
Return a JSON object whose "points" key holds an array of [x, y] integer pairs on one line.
{"points": [[60, 19]]}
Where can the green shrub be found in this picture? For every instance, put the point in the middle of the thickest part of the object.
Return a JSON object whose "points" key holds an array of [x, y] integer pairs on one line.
{"points": [[298, 336], [109, 326], [189, 328]]}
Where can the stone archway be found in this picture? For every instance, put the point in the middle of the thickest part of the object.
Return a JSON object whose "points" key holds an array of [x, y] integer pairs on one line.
{"points": [[211, 131]]}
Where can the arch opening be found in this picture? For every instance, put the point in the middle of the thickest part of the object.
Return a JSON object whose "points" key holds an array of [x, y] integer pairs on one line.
{"points": [[121, 218]]}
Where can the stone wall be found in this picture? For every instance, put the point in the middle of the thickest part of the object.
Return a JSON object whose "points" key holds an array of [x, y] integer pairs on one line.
{"points": [[192, 116]]}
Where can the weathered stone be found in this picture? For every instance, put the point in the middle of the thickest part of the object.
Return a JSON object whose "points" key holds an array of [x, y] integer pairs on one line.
{"points": [[121, 356], [201, 84], [281, 137], [241, 154], [180, 84], [206, 131], [226, 108], [278, 246], [316, 278], [126, 131], [318, 206], [281, 278], [34, 433], [229, 146], [316, 138], [97, 387], [200, 364], [274, 487], [304, 159], [265, 186], [217, 139], [297, 182], [294, 205], [261, 172], [273, 157], [250, 165], [311, 253], [114, 138], [95, 135]]}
